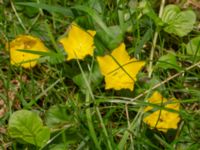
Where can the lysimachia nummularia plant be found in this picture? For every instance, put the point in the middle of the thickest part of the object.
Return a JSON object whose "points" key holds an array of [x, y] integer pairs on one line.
{"points": [[25, 42], [119, 69], [159, 117], [78, 43]]}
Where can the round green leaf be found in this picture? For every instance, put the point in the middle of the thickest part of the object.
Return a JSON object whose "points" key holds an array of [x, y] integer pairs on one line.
{"points": [[58, 115], [178, 22], [193, 47], [168, 61], [27, 126]]}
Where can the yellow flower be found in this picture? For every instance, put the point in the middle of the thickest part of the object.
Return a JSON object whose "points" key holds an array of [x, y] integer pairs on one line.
{"points": [[25, 42], [78, 43], [162, 119], [119, 69]]}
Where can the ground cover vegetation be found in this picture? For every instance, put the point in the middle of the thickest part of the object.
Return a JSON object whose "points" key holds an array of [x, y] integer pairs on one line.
{"points": [[99, 74]]}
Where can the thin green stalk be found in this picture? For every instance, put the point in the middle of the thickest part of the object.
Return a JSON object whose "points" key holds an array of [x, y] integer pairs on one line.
{"points": [[55, 136], [33, 23], [140, 113], [120, 15], [150, 69], [163, 142], [18, 18], [88, 112], [96, 108], [129, 124], [104, 128], [41, 11], [51, 37], [178, 134], [165, 81], [43, 93], [127, 132], [37, 17], [89, 121], [89, 95]]}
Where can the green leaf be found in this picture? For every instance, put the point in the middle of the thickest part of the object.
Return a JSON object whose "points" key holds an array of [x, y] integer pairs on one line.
{"points": [[104, 41], [178, 22], [168, 61], [146, 37], [94, 78], [119, 37], [49, 8], [58, 147], [146, 8], [26, 10], [57, 115], [193, 47], [97, 19], [27, 126]]}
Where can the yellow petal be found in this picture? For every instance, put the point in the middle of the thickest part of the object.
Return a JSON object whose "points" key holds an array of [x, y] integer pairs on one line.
{"points": [[157, 98], [162, 119], [120, 54], [119, 70], [106, 64], [91, 32], [78, 43], [115, 83], [25, 42]]}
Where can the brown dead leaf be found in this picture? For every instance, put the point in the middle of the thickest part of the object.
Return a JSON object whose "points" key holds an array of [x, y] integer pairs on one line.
{"points": [[194, 3], [3, 108], [11, 94], [2, 130]]}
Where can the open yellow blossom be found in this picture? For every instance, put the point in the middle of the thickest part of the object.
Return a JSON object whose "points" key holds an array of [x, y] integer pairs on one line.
{"points": [[25, 42], [119, 69], [78, 43], [160, 118]]}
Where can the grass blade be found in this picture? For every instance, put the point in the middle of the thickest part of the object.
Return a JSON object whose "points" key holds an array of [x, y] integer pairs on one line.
{"points": [[49, 8]]}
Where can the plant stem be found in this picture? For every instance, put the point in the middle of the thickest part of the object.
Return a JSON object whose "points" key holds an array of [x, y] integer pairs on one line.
{"points": [[129, 125], [165, 81], [18, 18], [90, 95], [130, 128], [29, 105], [89, 121], [150, 69], [51, 36], [104, 128], [120, 16]]}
